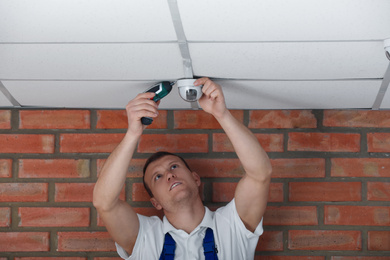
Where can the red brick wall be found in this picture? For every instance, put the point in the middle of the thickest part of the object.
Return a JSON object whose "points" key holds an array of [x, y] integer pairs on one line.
{"points": [[329, 197]]}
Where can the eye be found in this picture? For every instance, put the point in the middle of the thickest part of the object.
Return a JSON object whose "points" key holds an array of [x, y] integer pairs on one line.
{"points": [[174, 166], [157, 177]]}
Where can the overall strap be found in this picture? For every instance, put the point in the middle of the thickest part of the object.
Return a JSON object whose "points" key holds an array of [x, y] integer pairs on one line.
{"points": [[168, 252], [210, 252]]}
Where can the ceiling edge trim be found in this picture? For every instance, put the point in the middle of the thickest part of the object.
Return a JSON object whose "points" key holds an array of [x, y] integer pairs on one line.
{"points": [[9, 96], [181, 38], [382, 90]]}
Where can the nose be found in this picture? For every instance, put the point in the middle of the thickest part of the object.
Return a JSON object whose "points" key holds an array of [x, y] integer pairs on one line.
{"points": [[170, 175]]}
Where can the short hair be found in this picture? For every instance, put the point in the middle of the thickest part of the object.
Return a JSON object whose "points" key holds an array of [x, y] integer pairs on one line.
{"points": [[155, 157]]}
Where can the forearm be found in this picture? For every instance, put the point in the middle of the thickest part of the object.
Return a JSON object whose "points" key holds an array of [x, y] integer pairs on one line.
{"points": [[249, 151], [113, 175]]}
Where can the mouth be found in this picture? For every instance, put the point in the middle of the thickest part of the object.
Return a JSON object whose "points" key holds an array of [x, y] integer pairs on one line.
{"points": [[175, 185]]}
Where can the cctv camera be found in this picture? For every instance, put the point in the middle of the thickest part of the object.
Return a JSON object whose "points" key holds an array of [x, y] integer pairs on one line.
{"points": [[387, 48], [188, 91]]}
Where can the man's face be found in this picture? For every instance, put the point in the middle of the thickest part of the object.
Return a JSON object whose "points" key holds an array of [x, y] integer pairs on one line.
{"points": [[171, 182]]}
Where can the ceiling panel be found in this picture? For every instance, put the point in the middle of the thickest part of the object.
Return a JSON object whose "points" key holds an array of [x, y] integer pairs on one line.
{"points": [[90, 61], [85, 21], [4, 102], [300, 94], [289, 60], [276, 54], [239, 94], [75, 93], [386, 101], [86, 94], [281, 20]]}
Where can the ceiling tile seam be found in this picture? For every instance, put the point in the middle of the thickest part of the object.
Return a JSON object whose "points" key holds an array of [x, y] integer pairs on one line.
{"points": [[382, 90], [287, 41], [8, 95], [182, 40], [86, 43], [188, 41], [215, 78]]}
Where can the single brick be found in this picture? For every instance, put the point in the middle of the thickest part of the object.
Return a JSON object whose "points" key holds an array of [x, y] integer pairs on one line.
{"points": [[360, 167], [5, 168], [135, 169], [24, 241], [270, 241], [285, 215], [178, 143], [198, 119], [275, 192], [282, 119], [357, 215], [139, 193], [378, 191], [74, 192], [216, 168], [378, 142], [298, 168], [224, 192], [117, 119], [356, 118], [5, 119], [325, 191], [50, 258], [26, 143], [269, 142], [5, 217], [54, 119], [23, 192], [285, 257], [379, 240], [53, 168], [53, 217], [85, 241], [89, 143], [107, 258], [324, 240], [324, 142], [360, 258]]}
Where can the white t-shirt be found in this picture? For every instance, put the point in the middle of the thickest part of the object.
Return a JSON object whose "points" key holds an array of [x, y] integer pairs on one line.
{"points": [[232, 239]]}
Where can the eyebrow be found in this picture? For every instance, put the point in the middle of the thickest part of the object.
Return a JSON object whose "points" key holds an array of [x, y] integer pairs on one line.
{"points": [[174, 161]]}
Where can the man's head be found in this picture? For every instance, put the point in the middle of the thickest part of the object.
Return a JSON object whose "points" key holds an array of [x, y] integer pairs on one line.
{"points": [[154, 157], [170, 182]]}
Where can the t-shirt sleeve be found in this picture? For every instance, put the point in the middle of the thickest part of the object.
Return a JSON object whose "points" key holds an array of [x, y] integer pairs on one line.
{"points": [[145, 223], [237, 241], [230, 212]]}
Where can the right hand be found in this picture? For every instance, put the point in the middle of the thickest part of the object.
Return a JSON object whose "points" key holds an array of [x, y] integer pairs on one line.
{"points": [[141, 106]]}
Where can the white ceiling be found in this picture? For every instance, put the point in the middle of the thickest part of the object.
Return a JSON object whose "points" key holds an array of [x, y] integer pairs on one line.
{"points": [[267, 54]]}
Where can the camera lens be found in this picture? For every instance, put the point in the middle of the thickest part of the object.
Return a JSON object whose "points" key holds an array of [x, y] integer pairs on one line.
{"points": [[191, 94]]}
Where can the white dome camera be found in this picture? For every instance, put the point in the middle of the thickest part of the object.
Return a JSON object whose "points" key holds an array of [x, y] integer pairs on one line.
{"points": [[387, 48], [188, 91]]}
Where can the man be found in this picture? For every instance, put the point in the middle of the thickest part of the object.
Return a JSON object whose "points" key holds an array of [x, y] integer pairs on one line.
{"points": [[175, 190]]}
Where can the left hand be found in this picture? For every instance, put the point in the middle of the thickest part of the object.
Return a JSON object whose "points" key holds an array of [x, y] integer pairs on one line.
{"points": [[212, 100]]}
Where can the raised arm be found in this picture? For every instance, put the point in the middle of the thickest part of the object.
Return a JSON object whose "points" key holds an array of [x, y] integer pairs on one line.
{"points": [[119, 217], [252, 190]]}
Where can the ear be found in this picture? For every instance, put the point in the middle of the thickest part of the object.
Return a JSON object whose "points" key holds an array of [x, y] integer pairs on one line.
{"points": [[156, 204], [197, 178]]}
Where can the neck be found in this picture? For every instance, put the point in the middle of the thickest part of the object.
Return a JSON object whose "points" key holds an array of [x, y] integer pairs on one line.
{"points": [[186, 217]]}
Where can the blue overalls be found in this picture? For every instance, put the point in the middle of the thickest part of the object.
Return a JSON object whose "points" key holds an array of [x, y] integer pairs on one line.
{"points": [[210, 252]]}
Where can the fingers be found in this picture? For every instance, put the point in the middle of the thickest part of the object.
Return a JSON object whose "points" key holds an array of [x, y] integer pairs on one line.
{"points": [[210, 89], [142, 106]]}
